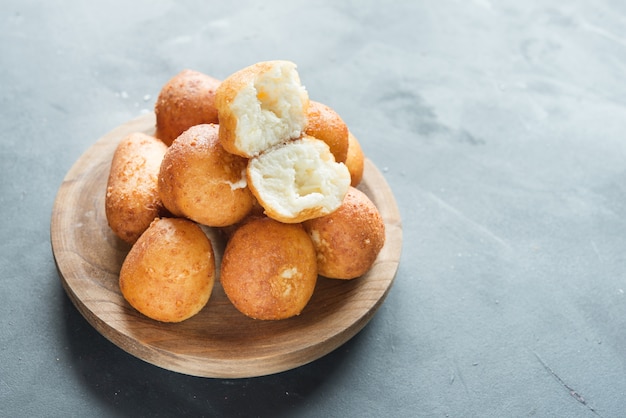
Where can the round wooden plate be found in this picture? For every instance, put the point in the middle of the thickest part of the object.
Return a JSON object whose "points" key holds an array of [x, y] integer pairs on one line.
{"points": [[219, 341]]}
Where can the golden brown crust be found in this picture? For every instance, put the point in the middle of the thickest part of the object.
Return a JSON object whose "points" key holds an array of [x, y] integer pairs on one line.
{"points": [[348, 240], [326, 124], [132, 200], [355, 160], [186, 100], [303, 215], [169, 273], [199, 180], [269, 269]]}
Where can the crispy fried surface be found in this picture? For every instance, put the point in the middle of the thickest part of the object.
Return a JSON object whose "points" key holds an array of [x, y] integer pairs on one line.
{"points": [[348, 240], [132, 200], [326, 124], [168, 274], [269, 269], [199, 180], [355, 160], [187, 99]]}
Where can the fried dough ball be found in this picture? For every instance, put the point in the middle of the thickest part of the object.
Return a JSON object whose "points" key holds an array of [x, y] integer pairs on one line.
{"points": [[348, 240], [298, 180], [355, 160], [269, 270], [169, 273], [325, 124], [132, 199], [186, 100], [261, 106], [199, 180]]}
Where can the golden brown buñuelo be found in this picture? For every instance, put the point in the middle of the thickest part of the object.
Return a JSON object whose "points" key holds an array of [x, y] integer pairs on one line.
{"points": [[169, 273], [132, 200], [269, 269], [187, 99], [199, 180]]}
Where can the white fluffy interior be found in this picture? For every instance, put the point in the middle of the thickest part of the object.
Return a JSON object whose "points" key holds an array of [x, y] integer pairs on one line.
{"points": [[299, 175], [270, 110]]}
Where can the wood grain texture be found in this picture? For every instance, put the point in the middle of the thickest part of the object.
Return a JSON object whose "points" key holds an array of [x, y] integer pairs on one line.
{"points": [[219, 341]]}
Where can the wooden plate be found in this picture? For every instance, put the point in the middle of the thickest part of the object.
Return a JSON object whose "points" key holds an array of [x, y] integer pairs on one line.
{"points": [[219, 341]]}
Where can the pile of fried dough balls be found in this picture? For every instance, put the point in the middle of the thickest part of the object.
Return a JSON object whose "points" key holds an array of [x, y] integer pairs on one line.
{"points": [[253, 157]]}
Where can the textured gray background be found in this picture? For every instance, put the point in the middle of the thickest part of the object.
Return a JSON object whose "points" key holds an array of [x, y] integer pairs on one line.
{"points": [[500, 126]]}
